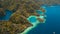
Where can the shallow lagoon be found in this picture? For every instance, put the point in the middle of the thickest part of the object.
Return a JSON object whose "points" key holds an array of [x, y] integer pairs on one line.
{"points": [[51, 25]]}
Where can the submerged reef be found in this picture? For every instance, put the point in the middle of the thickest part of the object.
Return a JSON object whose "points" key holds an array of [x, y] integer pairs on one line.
{"points": [[21, 9]]}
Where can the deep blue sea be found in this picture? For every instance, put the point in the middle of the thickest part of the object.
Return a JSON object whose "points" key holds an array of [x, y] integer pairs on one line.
{"points": [[51, 25]]}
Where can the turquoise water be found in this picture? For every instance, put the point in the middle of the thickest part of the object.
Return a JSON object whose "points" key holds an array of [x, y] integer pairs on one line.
{"points": [[32, 19], [39, 12], [51, 25]]}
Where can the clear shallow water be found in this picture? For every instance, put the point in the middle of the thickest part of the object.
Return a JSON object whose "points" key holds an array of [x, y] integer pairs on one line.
{"points": [[52, 23], [32, 19]]}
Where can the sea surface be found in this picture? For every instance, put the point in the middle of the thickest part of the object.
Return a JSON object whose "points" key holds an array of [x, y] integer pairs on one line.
{"points": [[52, 24]]}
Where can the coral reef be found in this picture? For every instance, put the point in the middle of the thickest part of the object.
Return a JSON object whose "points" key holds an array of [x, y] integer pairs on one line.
{"points": [[21, 9]]}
